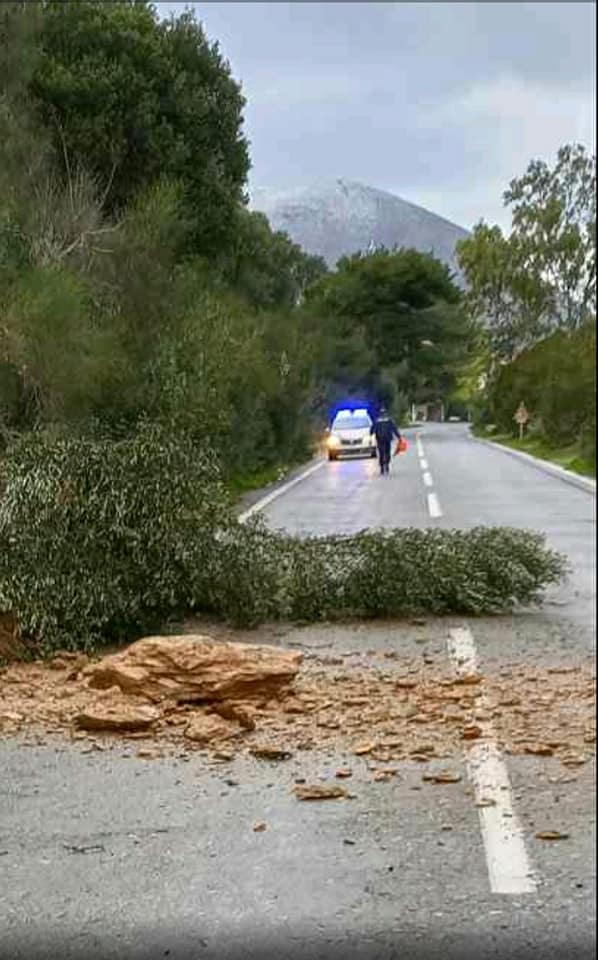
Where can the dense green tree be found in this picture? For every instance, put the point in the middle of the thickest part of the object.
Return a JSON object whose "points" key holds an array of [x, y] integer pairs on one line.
{"points": [[395, 322], [133, 98], [266, 267], [515, 303]]}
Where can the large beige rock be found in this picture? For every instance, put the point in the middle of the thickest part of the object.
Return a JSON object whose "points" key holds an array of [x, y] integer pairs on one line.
{"points": [[195, 668]]}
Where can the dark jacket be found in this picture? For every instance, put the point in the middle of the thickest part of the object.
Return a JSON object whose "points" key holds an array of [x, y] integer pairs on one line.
{"points": [[385, 429]]}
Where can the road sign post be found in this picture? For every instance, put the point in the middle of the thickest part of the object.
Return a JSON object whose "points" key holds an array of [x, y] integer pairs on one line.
{"points": [[521, 417]]}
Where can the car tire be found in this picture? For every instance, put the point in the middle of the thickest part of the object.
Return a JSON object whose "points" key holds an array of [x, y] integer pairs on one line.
{"points": [[332, 456]]}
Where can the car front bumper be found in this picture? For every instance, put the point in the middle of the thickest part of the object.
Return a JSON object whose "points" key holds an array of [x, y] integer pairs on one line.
{"points": [[351, 451]]}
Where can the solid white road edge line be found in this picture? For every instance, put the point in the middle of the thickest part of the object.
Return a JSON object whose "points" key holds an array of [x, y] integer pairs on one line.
{"points": [[509, 869], [545, 466], [434, 506], [428, 479], [260, 504]]}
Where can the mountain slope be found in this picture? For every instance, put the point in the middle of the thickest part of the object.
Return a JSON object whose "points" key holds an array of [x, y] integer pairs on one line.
{"points": [[339, 217]]}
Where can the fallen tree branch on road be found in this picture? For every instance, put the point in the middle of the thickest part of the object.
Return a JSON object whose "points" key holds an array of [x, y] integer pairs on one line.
{"points": [[101, 541]]}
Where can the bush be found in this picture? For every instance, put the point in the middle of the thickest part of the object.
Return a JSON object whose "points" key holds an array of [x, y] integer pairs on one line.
{"points": [[102, 540], [97, 538], [556, 379]]}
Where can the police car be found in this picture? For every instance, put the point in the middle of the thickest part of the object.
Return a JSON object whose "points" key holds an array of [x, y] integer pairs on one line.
{"points": [[350, 436]]}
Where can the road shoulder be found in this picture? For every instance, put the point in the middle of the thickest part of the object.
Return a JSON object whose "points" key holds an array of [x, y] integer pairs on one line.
{"points": [[249, 500], [567, 476]]}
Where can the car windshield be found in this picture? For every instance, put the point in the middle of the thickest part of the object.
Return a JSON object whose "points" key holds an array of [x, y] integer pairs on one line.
{"points": [[348, 422]]}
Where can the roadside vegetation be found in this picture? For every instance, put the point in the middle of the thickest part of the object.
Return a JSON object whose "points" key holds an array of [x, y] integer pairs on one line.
{"points": [[567, 457], [535, 290], [162, 346]]}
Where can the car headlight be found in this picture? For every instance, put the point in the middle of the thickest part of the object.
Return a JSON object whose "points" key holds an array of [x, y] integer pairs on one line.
{"points": [[333, 442]]}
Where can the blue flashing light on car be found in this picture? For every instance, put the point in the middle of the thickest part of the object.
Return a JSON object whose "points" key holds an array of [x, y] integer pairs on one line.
{"points": [[356, 407]]}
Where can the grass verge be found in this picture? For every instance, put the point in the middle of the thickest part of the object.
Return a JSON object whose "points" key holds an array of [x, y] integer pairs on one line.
{"points": [[568, 457]]}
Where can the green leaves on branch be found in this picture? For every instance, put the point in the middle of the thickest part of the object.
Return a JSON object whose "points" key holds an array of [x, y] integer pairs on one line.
{"points": [[99, 538]]}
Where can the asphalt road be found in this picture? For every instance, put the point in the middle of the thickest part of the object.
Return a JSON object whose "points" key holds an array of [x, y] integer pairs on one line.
{"points": [[105, 855]]}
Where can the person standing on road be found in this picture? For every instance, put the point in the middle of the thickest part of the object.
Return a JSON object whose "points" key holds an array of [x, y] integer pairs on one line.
{"points": [[385, 429]]}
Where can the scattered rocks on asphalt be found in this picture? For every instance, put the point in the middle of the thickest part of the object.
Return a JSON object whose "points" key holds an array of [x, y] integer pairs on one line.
{"points": [[227, 698]]}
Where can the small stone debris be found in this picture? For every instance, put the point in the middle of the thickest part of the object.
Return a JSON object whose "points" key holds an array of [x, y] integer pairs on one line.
{"points": [[317, 791], [443, 776], [362, 749], [472, 732], [270, 751], [539, 749], [469, 679], [383, 775], [113, 718], [147, 753], [551, 835], [260, 826], [89, 848]]}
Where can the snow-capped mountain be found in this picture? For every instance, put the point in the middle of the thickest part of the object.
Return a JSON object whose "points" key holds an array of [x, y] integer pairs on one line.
{"points": [[339, 217]]}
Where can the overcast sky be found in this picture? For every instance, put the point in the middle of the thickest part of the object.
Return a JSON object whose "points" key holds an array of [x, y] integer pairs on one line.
{"points": [[440, 103]]}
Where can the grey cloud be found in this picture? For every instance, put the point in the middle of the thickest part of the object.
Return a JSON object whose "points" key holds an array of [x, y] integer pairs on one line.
{"points": [[446, 101]]}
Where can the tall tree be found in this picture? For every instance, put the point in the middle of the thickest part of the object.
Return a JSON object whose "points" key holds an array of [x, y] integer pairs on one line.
{"points": [[396, 311], [542, 276], [554, 225], [514, 302], [133, 98]]}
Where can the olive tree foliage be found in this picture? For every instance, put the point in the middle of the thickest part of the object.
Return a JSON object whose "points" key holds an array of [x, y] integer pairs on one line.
{"points": [[541, 277], [97, 544]]}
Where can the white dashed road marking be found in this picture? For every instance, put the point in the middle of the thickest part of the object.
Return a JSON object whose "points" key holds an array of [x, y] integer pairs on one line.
{"points": [[509, 869], [423, 463], [434, 506], [428, 479]]}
